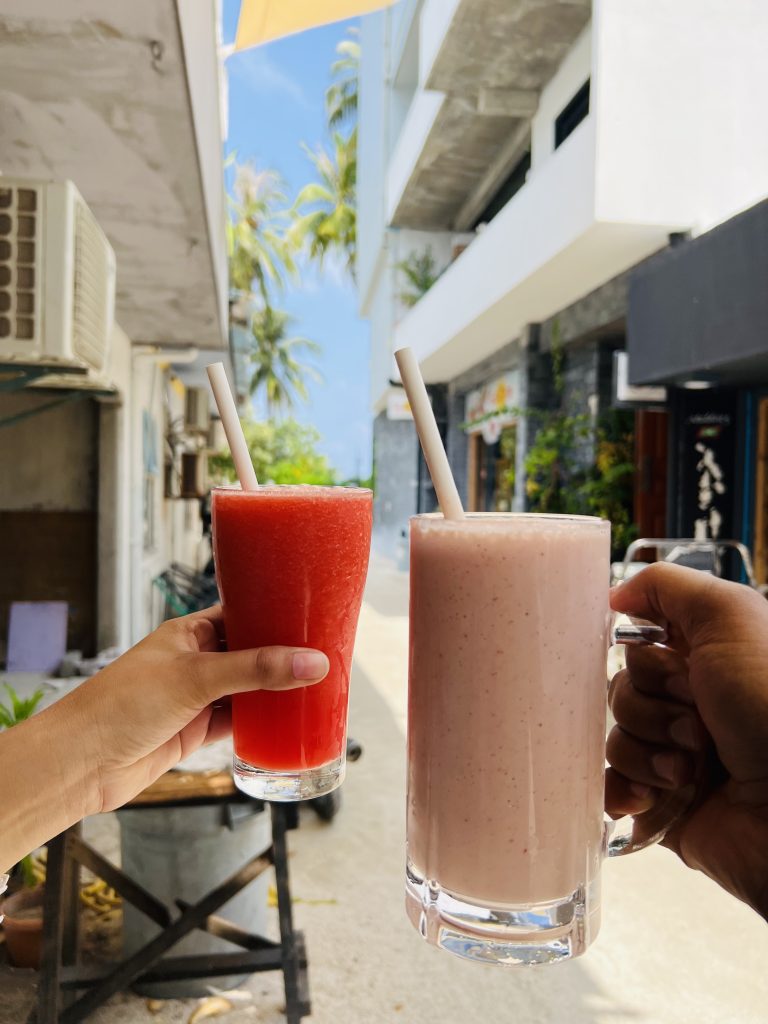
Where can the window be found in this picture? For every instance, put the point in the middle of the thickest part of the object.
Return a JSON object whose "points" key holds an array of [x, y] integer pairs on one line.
{"points": [[572, 114], [512, 184]]}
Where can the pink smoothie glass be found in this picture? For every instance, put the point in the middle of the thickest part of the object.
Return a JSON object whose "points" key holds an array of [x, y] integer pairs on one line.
{"points": [[509, 632]]}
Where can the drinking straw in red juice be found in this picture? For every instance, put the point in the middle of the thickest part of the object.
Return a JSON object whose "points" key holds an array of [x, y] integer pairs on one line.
{"points": [[291, 565]]}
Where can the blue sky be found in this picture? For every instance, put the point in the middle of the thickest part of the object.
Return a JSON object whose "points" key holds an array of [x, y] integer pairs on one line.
{"points": [[276, 95]]}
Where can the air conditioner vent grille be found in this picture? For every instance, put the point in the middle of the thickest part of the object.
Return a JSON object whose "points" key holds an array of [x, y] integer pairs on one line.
{"points": [[20, 225], [91, 313]]}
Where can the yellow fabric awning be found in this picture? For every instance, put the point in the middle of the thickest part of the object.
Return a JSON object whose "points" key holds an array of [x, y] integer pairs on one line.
{"points": [[261, 21]]}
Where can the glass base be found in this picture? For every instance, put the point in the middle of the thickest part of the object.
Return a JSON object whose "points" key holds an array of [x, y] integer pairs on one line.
{"points": [[512, 936], [288, 787]]}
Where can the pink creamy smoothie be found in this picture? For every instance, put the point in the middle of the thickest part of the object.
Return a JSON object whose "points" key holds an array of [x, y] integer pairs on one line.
{"points": [[506, 714]]}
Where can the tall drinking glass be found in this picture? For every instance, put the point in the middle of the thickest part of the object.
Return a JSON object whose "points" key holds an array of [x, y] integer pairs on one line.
{"points": [[506, 734], [291, 564]]}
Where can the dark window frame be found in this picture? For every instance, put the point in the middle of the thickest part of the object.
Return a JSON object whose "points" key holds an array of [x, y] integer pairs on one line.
{"points": [[572, 114], [511, 185]]}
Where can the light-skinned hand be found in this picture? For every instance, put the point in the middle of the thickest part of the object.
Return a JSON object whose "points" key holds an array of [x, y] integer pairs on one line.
{"points": [[115, 734]]}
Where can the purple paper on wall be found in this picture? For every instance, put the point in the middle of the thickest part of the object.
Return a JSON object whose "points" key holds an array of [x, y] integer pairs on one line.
{"points": [[37, 635]]}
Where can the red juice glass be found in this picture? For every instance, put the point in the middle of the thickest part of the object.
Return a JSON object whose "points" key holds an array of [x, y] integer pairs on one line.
{"points": [[291, 564]]}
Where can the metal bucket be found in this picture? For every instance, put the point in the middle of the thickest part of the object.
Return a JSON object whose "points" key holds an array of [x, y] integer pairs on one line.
{"points": [[181, 853]]}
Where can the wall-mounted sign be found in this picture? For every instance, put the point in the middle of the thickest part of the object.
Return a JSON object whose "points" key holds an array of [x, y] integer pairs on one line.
{"points": [[491, 408], [707, 464], [398, 407]]}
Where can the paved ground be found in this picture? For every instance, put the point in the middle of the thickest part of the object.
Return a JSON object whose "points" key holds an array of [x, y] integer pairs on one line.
{"points": [[673, 949]]}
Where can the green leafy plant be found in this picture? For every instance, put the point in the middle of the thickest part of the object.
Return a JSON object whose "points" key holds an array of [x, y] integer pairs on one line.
{"points": [[420, 273], [284, 452], [557, 481], [557, 478], [19, 709], [554, 474], [608, 489]]}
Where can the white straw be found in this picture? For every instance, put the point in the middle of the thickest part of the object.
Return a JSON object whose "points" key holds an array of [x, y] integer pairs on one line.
{"points": [[429, 435], [232, 428]]}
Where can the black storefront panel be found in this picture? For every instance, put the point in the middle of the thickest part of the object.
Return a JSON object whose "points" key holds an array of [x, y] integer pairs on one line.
{"points": [[706, 471], [700, 309]]}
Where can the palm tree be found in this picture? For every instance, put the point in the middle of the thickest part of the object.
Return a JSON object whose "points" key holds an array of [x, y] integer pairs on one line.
{"points": [[276, 361], [330, 220], [341, 96], [259, 251]]}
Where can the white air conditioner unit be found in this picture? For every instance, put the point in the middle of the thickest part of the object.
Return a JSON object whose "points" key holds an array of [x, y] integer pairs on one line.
{"points": [[197, 417], [57, 277]]}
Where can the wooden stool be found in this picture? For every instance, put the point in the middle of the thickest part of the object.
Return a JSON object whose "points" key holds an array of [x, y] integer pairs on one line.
{"points": [[60, 976]]}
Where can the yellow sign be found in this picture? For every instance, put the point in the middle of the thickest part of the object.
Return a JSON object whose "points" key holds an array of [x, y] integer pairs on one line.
{"points": [[491, 408], [262, 21]]}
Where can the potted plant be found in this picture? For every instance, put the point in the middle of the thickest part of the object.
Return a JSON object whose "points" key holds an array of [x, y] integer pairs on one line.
{"points": [[420, 273], [23, 909]]}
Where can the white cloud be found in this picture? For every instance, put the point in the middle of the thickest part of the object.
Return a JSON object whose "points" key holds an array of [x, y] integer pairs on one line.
{"points": [[258, 72]]}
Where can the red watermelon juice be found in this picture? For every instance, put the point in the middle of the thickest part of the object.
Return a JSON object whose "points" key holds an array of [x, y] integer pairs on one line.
{"points": [[291, 564]]}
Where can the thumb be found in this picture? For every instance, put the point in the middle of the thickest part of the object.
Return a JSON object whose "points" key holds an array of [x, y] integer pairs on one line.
{"points": [[266, 668], [686, 601]]}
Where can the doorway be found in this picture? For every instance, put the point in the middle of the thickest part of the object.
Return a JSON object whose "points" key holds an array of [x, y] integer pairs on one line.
{"points": [[492, 472], [651, 447]]}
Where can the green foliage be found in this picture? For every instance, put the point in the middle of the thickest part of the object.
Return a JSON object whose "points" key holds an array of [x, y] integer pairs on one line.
{"points": [[608, 490], [554, 475], [277, 369], [27, 869], [360, 481], [420, 272], [18, 709], [260, 252], [557, 481], [325, 210], [341, 98], [284, 452]]}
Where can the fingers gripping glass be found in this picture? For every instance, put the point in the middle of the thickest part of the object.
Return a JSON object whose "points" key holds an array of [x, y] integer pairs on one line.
{"points": [[632, 833]]}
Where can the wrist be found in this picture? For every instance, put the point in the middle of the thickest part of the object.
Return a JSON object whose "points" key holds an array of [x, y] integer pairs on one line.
{"points": [[45, 778]]}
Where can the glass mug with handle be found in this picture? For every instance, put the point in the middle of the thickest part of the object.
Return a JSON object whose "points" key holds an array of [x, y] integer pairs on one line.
{"points": [[509, 633]]}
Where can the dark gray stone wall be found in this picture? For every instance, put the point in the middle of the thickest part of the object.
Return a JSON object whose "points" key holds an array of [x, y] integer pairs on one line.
{"points": [[603, 311], [457, 442], [395, 460]]}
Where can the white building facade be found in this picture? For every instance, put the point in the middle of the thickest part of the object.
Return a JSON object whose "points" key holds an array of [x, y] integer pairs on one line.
{"points": [[101, 466], [539, 150]]}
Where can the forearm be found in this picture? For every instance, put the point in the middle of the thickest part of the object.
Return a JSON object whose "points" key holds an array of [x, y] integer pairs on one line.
{"points": [[44, 778]]}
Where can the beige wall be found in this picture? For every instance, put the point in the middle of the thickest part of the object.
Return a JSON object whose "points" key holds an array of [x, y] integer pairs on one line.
{"points": [[47, 461]]}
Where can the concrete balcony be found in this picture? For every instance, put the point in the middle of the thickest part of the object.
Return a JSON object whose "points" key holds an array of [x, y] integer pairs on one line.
{"points": [[488, 60], [546, 249], [645, 162], [123, 98]]}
